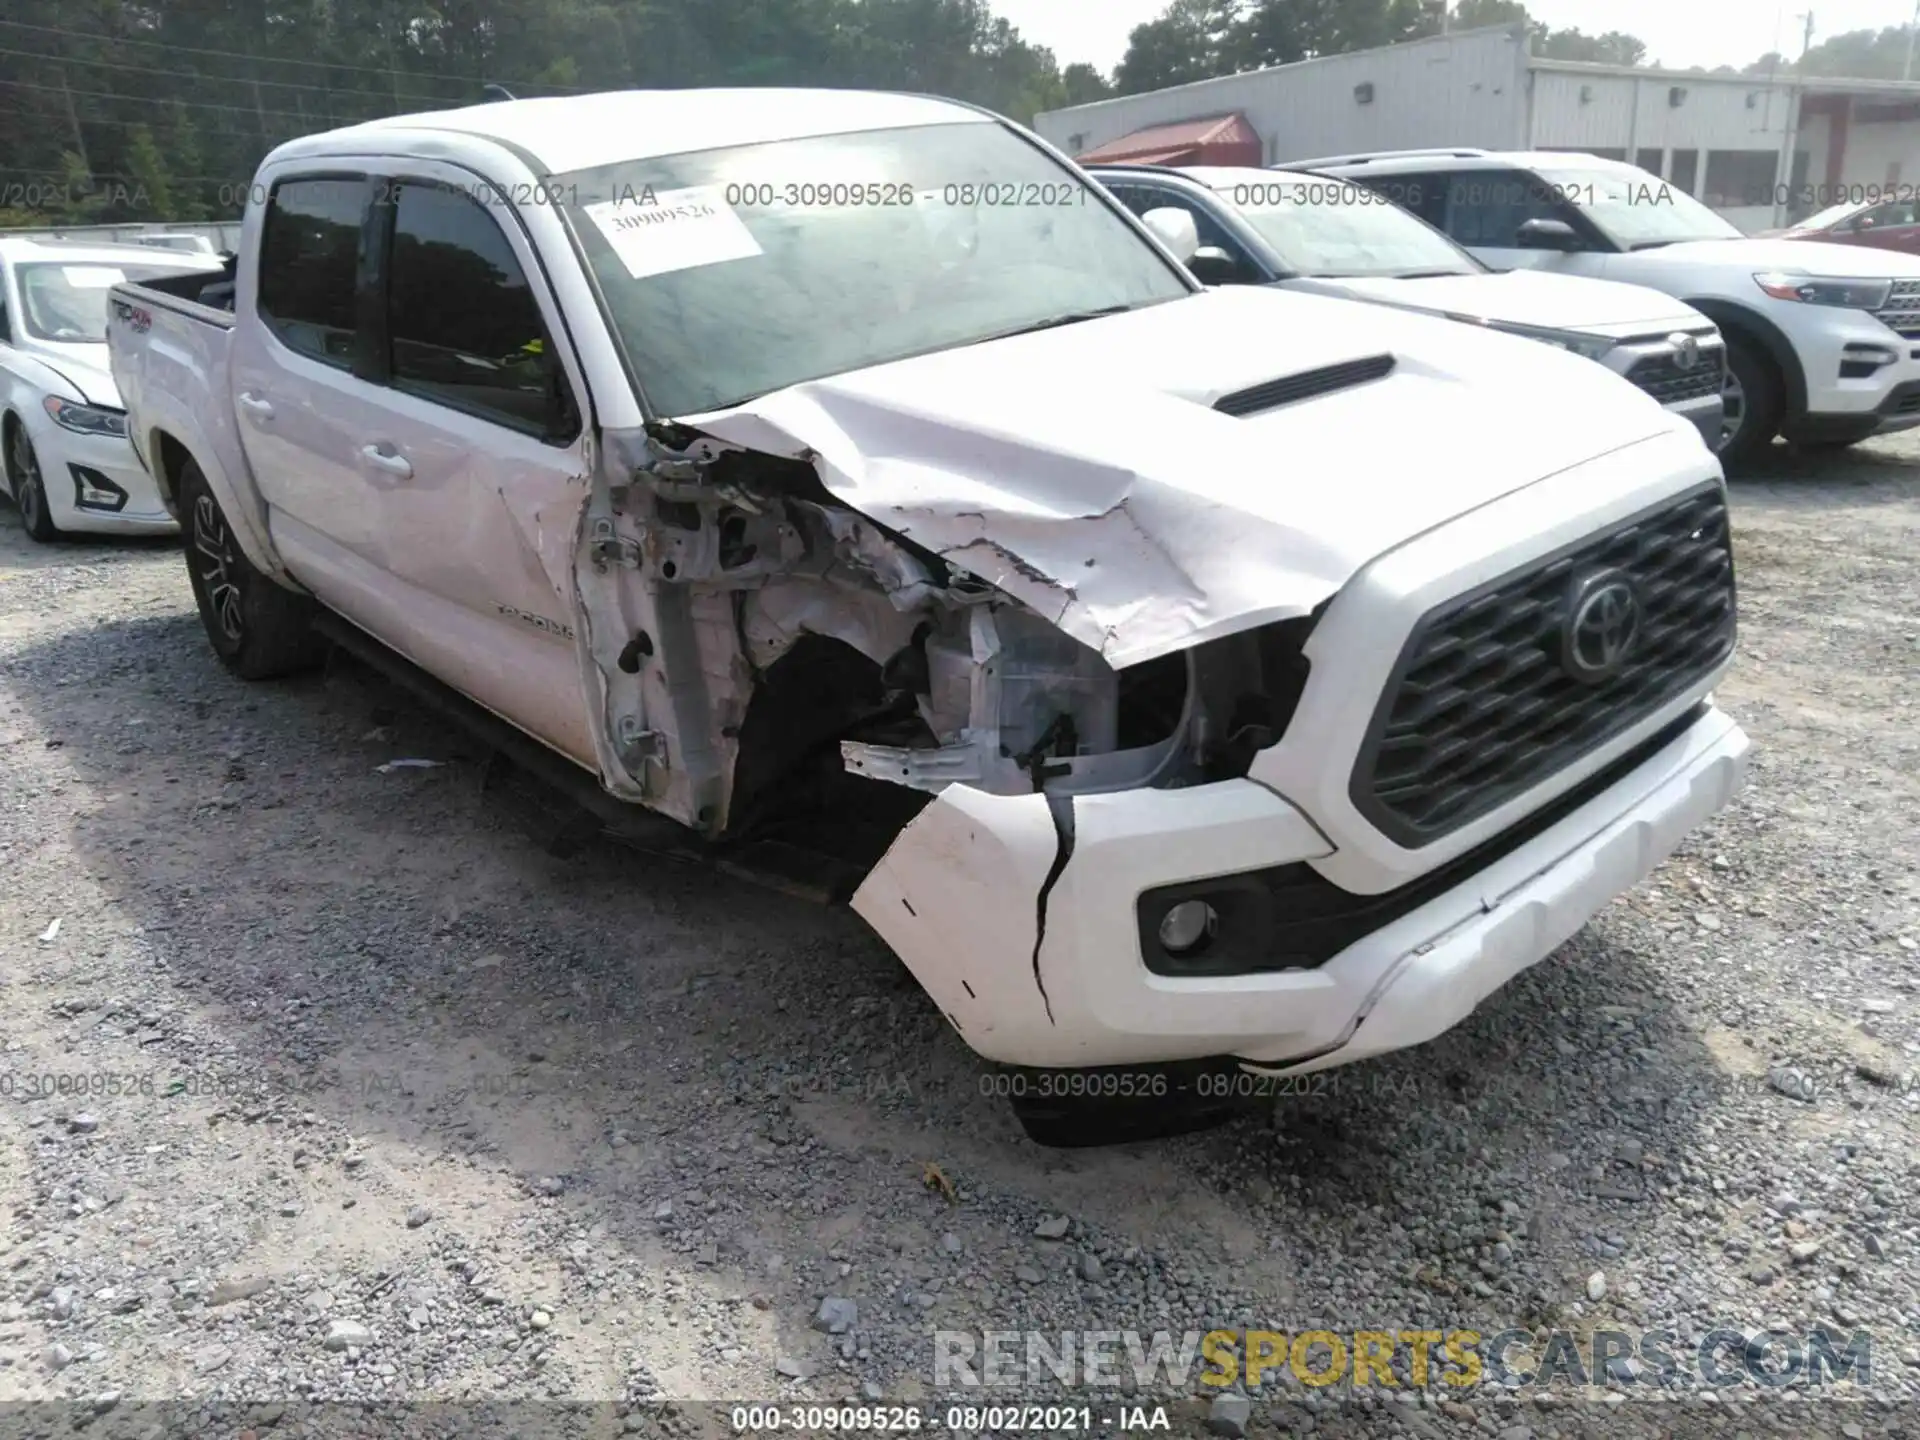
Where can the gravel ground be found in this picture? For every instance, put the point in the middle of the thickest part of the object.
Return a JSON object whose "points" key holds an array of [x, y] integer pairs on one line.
{"points": [[384, 1102]]}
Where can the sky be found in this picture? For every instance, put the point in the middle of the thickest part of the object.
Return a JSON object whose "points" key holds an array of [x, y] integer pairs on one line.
{"points": [[1683, 33]]}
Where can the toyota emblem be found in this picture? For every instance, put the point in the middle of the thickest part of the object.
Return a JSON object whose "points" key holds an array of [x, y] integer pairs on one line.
{"points": [[1603, 623], [1686, 351]]}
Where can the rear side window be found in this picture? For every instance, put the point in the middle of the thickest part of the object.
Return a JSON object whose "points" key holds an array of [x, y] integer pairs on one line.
{"points": [[465, 328], [309, 256]]}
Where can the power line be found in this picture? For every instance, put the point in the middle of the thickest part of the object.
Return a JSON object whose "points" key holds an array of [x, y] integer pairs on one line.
{"points": [[303, 118], [203, 77], [272, 60]]}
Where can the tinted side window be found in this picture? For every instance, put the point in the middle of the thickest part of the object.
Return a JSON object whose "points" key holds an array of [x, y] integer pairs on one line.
{"points": [[1488, 207], [464, 326], [309, 255], [1142, 198], [1424, 195]]}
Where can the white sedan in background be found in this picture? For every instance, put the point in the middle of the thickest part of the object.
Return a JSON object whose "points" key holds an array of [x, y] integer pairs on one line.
{"points": [[64, 455]]}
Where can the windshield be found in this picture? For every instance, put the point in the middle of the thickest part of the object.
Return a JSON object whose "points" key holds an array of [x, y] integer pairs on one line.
{"points": [[1633, 208], [1329, 228], [729, 273], [68, 303]]}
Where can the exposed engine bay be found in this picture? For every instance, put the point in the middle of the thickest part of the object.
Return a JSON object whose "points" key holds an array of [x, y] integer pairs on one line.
{"points": [[786, 670]]}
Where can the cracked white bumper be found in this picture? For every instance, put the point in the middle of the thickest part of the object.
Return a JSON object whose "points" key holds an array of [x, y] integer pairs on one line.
{"points": [[958, 898]]}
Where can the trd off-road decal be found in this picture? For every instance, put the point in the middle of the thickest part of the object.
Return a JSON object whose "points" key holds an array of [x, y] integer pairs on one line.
{"points": [[538, 622]]}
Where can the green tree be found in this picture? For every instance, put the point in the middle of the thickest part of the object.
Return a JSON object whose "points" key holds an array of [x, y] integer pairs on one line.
{"points": [[1192, 40], [179, 101], [1859, 54]]}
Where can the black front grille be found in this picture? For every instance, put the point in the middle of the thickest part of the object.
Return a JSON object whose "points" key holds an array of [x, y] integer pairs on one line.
{"points": [[1901, 313], [1271, 394], [1484, 704], [1661, 377]]}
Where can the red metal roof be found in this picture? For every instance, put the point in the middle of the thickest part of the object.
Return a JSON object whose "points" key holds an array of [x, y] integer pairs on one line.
{"points": [[1217, 140]]}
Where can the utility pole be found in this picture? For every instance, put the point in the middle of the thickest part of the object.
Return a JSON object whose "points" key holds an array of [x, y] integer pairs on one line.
{"points": [[260, 111], [1913, 28], [73, 119]]}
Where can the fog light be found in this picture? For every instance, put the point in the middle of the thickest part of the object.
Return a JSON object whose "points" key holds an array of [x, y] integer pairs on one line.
{"points": [[94, 491], [1188, 926]]}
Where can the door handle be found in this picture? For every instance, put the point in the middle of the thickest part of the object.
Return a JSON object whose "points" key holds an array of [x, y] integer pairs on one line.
{"points": [[397, 466], [256, 405]]}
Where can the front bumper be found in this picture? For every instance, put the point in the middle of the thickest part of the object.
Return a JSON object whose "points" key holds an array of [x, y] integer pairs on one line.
{"points": [[1900, 410], [1037, 961], [1863, 377], [1708, 415], [67, 459]]}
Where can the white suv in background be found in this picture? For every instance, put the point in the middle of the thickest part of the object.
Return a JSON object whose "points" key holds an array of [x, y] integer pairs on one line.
{"points": [[1246, 226], [1823, 341], [64, 454]]}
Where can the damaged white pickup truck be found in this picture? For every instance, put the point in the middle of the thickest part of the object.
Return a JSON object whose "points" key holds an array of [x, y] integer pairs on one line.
{"points": [[1183, 684]]}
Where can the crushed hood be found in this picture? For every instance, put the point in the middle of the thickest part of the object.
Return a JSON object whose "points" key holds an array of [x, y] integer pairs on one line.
{"points": [[1534, 297], [1083, 470]]}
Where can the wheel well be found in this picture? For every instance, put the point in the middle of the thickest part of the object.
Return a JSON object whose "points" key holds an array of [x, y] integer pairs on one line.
{"points": [[168, 455], [11, 423], [1760, 334]]}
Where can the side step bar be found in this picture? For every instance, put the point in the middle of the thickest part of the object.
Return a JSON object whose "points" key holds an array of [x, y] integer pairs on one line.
{"points": [[804, 874]]}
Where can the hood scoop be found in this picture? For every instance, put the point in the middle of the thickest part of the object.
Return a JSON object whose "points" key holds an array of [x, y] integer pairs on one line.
{"points": [[1272, 394]]}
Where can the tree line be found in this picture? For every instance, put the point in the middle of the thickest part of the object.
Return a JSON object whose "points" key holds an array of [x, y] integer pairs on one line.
{"points": [[118, 110], [115, 110]]}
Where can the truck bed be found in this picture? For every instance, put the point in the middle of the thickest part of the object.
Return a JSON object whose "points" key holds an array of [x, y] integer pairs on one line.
{"points": [[202, 294], [167, 342]]}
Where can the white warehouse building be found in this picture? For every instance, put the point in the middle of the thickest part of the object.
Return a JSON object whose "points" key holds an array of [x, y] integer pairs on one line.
{"points": [[1761, 150]]}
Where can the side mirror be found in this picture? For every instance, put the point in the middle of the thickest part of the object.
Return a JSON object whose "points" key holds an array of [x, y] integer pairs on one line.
{"points": [[1213, 266], [1866, 222], [1543, 234], [1174, 228]]}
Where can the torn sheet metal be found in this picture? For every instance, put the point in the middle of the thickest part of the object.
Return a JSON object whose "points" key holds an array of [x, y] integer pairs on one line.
{"points": [[1083, 470]]}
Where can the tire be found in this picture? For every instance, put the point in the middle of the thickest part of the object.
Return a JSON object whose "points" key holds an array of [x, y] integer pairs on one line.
{"points": [[29, 486], [260, 629], [1753, 397], [1083, 1121]]}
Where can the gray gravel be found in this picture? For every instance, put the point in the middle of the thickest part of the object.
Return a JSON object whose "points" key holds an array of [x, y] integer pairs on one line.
{"points": [[379, 1101]]}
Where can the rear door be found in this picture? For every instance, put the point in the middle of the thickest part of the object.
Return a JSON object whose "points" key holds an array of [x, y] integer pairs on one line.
{"points": [[299, 362]]}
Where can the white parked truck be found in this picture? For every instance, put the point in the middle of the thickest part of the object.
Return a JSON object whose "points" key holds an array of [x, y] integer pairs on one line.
{"points": [[1185, 684]]}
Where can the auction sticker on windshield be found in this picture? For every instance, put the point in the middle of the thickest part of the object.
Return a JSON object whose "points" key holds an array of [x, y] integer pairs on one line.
{"points": [[658, 232]]}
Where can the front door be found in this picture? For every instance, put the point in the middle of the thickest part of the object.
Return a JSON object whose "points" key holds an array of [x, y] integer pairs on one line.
{"points": [[475, 446], [1892, 226], [1484, 210]]}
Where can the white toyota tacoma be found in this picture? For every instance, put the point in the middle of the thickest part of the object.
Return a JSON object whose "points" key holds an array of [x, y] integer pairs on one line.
{"points": [[1183, 683]]}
